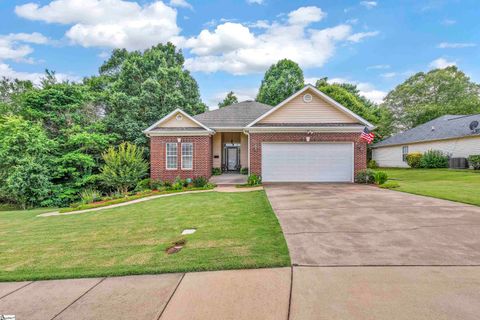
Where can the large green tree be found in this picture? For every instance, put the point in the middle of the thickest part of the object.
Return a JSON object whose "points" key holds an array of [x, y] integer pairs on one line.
{"points": [[229, 99], [280, 81], [425, 96], [142, 87]]}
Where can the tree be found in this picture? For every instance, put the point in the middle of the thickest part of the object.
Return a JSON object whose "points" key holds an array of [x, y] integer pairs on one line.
{"points": [[426, 96], [142, 87], [124, 167], [280, 81], [26, 164], [229, 99]]}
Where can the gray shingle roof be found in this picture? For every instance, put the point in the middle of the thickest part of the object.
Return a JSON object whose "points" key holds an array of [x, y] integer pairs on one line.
{"points": [[445, 127], [236, 115], [308, 125]]}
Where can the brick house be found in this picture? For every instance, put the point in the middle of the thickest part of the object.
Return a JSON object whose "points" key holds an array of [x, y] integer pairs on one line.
{"points": [[308, 137]]}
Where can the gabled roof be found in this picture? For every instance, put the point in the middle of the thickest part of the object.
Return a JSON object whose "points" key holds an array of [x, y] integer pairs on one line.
{"points": [[154, 126], [445, 127], [323, 96], [236, 115]]}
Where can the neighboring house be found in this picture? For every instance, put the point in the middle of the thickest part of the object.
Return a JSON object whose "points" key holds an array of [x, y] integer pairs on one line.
{"points": [[307, 137], [450, 134]]}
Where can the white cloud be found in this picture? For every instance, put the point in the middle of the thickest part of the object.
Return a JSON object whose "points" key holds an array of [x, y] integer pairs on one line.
{"points": [[255, 1], [378, 66], [180, 4], [14, 46], [109, 23], [357, 37], [369, 4], [306, 15], [233, 48], [455, 45], [7, 72], [389, 74], [441, 63], [226, 37]]}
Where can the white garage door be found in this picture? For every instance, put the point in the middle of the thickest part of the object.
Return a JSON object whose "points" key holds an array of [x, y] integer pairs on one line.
{"points": [[312, 162]]}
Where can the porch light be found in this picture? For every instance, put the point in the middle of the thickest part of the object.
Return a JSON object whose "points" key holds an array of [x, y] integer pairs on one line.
{"points": [[307, 138], [179, 140]]}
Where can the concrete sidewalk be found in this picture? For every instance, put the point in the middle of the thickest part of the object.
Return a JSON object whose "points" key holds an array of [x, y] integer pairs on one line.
{"points": [[307, 293]]}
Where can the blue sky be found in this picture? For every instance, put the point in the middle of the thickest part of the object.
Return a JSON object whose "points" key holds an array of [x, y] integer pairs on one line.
{"points": [[228, 45]]}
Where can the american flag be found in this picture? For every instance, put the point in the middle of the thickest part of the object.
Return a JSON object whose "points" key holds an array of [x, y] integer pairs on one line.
{"points": [[367, 135]]}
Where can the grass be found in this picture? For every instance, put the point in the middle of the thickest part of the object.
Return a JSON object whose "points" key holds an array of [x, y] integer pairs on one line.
{"points": [[456, 185], [234, 231]]}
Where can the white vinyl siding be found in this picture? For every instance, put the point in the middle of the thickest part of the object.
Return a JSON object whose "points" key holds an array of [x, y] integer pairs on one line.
{"points": [[461, 148], [172, 156], [307, 162], [187, 156]]}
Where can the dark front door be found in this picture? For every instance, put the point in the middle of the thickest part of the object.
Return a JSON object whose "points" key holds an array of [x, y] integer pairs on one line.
{"points": [[232, 158]]}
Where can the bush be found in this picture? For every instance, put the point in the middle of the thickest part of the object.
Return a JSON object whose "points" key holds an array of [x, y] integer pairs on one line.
{"points": [[179, 184], [90, 195], [474, 161], [168, 185], [254, 180], [372, 164], [156, 184], [365, 176], [143, 185], [434, 159], [124, 167], [414, 159], [244, 170], [199, 182], [380, 177], [216, 171], [390, 185]]}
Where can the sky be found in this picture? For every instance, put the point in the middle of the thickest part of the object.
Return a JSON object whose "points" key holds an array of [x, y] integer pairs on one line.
{"points": [[228, 45]]}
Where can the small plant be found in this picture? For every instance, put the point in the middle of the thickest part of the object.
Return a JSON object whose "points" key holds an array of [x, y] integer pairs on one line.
{"points": [[178, 184], [380, 177], [199, 182], [90, 195], [254, 180], [244, 170], [372, 164], [414, 159], [216, 171], [365, 176], [474, 161], [434, 159], [156, 184], [390, 185], [167, 184], [143, 185]]}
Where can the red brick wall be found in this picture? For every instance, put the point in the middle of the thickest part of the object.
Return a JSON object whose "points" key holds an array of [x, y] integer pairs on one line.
{"points": [[202, 158], [256, 139]]}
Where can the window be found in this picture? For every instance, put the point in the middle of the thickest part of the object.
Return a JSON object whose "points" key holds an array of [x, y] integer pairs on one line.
{"points": [[404, 153], [187, 156], [172, 156]]}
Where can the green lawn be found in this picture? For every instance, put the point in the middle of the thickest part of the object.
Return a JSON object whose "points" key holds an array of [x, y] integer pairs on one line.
{"points": [[456, 185], [234, 230]]}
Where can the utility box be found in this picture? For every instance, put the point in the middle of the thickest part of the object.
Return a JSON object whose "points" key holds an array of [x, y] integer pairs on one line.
{"points": [[458, 163]]}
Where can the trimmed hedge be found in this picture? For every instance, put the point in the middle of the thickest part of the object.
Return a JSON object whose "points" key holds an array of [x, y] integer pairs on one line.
{"points": [[414, 159]]}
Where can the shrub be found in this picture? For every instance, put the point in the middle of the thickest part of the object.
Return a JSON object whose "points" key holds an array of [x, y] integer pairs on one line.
{"points": [[216, 171], [474, 161], [156, 184], [380, 177], [414, 159], [89, 196], [199, 182], [244, 170], [168, 185], [365, 176], [434, 159], [254, 180], [124, 167], [390, 185], [372, 164], [143, 185], [179, 183]]}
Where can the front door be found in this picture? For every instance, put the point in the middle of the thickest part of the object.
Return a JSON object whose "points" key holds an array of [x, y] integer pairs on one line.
{"points": [[232, 158]]}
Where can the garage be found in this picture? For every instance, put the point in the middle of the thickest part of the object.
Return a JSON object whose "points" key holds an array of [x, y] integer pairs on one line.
{"points": [[307, 162]]}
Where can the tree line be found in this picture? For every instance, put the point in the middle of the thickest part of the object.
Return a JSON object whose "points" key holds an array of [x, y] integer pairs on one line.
{"points": [[55, 136]]}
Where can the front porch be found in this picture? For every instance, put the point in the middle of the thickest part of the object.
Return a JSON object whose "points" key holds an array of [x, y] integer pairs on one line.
{"points": [[230, 151], [229, 179]]}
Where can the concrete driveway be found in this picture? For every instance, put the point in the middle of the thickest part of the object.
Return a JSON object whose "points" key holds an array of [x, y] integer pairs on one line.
{"points": [[351, 225]]}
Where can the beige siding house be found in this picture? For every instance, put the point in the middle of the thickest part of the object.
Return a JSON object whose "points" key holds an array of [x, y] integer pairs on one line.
{"points": [[451, 134]]}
